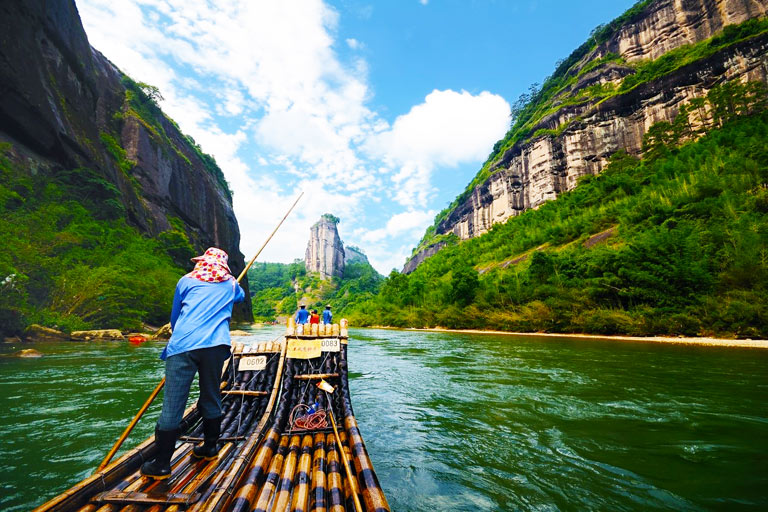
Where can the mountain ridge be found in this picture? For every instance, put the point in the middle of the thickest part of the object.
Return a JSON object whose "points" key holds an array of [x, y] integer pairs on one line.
{"points": [[581, 115]]}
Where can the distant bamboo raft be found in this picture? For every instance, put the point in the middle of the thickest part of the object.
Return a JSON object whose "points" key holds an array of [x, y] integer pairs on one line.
{"points": [[268, 462]]}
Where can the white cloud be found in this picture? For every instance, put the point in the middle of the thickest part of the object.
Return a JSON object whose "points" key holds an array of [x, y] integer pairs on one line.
{"points": [[354, 44], [384, 259], [447, 129], [399, 224]]}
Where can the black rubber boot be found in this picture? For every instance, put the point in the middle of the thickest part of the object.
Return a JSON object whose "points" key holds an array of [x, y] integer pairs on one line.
{"points": [[160, 468], [211, 430]]}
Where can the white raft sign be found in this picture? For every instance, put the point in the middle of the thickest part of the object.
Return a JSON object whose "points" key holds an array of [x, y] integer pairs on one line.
{"points": [[330, 345], [252, 363]]}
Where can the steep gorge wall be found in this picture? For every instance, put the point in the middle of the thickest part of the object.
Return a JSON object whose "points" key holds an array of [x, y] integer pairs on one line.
{"points": [[59, 98], [669, 24], [536, 170]]}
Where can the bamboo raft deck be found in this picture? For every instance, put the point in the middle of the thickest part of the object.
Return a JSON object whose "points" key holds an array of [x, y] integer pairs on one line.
{"points": [[267, 462]]}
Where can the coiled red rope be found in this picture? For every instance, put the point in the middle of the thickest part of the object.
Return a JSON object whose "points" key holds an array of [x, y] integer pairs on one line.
{"points": [[314, 421]]}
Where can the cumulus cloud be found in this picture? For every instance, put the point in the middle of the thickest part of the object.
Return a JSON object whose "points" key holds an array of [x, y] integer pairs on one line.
{"points": [[449, 128], [399, 224]]}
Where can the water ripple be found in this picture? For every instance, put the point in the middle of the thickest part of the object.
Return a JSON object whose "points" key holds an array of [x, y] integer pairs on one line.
{"points": [[451, 421]]}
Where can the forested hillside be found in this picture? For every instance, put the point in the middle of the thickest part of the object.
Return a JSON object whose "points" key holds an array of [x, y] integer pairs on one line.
{"points": [[602, 98], [277, 288], [70, 260], [673, 243]]}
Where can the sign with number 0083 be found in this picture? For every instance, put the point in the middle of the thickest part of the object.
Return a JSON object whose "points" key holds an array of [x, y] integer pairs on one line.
{"points": [[330, 345], [252, 363]]}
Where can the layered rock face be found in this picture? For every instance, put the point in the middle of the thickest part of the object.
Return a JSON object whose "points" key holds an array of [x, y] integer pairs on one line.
{"points": [[420, 256], [353, 255], [538, 169], [669, 24], [325, 251], [58, 99]]}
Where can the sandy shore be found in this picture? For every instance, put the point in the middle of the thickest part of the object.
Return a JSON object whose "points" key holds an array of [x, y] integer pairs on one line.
{"points": [[712, 342]]}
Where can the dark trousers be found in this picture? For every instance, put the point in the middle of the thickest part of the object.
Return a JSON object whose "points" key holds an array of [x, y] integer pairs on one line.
{"points": [[180, 369]]}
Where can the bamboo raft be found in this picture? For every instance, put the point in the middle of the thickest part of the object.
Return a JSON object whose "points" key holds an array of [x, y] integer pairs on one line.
{"points": [[275, 455]]}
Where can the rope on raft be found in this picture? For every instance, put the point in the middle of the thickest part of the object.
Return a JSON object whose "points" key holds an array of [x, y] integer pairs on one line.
{"points": [[313, 421]]}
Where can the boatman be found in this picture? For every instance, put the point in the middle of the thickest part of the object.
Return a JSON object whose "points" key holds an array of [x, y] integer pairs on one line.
{"points": [[302, 315], [202, 307], [327, 315]]}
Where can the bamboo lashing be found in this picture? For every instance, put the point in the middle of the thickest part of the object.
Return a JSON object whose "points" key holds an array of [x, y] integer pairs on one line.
{"points": [[244, 392], [315, 376], [162, 382]]}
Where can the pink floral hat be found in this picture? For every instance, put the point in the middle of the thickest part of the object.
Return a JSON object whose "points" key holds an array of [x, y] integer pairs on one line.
{"points": [[211, 267]]}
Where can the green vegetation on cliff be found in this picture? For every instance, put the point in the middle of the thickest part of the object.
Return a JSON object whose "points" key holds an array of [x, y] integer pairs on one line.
{"points": [[557, 90], [276, 288], [141, 103], [69, 260], [674, 244]]}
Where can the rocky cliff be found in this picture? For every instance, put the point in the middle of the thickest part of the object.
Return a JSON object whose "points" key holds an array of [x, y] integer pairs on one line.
{"points": [[63, 105], [604, 101], [325, 251], [354, 254]]}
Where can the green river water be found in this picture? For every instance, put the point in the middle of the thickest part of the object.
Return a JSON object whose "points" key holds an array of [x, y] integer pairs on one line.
{"points": [[451, 421]]}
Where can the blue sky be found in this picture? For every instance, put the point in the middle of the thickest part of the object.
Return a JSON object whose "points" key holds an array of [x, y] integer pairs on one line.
{"points": [[381, 111]]}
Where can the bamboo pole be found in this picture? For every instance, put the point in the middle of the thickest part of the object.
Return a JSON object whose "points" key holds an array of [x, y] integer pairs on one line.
{"points": [[315, 376], [245, 392], [301, 485], [268, 239], [284, 490], [162, 382], [347, 470], [317, 501], [334, 485], [133, 423]]}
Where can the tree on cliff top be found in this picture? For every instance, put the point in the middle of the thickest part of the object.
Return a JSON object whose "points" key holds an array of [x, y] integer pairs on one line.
{"points": [[330, 218]]}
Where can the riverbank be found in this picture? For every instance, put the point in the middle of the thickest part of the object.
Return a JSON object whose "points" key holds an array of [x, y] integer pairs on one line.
{"points": [[712, 342]]}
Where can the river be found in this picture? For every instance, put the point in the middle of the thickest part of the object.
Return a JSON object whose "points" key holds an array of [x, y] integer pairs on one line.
{"points": [[452, 421]]}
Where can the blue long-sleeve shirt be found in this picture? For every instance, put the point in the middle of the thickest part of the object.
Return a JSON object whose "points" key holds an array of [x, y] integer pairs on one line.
{"points": [[302, 316], [327, 317], [200, 314]]}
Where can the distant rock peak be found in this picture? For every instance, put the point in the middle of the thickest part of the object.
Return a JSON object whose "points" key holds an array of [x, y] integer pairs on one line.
{"points": [[325, 251]]}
